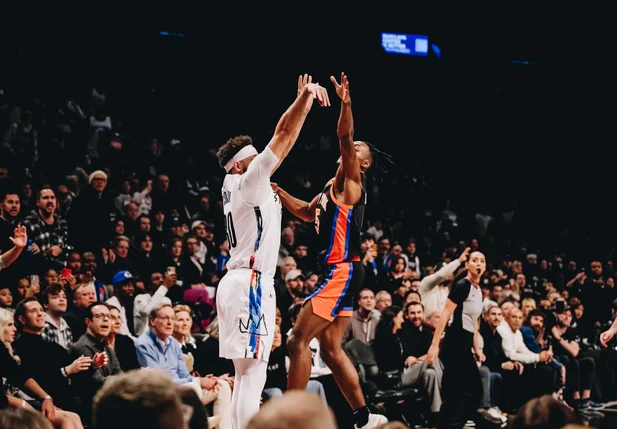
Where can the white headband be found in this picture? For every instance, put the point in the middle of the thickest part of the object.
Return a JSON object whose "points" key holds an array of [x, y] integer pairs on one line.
{"points": [[244, 153]]}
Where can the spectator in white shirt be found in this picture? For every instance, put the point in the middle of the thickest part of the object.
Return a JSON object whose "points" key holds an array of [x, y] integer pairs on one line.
{"points": [[541, 378], [145, 302], [435, 288]]}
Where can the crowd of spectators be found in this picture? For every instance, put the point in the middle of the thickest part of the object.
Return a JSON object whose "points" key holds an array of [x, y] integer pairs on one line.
{"points": [[126, 247]]}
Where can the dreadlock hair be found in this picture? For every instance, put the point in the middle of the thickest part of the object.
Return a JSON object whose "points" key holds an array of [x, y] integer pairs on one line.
{"points": [[381, 161]]}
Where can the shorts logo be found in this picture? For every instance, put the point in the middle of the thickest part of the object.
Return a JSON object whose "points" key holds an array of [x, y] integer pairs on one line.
{"points": [[250, 327]]}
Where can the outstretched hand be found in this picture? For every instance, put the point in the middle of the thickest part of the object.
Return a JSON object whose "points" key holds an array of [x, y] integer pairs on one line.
{"points": [[20, 237], [317, 91], [342, 89], [303, 80]]}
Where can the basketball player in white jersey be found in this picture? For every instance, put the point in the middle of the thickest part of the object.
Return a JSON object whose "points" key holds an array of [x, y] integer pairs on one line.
{"points": [[246, 301]]}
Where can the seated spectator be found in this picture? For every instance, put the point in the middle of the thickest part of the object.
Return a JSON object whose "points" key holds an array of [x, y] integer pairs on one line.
{"points": [[75, 316], [383, 300], [11, 374], [364, 320], [51, 373], [156, 348], [122, 345], [93, 345], [580, 370], [124, 291], [541, 378], [86, 275], [139, 399], [534, 337], [6, 297], [416, 339], [298, 410], [183, 321], [207, 358], [56, 329], [278, 364]]}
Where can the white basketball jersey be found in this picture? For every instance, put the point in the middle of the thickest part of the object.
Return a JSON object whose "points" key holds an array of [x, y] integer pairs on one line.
{"points": [[253, 231]]}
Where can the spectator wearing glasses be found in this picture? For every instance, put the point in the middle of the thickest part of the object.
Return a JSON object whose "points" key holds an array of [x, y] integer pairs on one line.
{"points": [[93, 344], [123, 345], [157, 348]]}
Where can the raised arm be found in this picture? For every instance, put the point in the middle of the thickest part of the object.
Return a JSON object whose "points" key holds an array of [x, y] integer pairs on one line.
{"points": [[301, 209], [289, 126], [352, 186], [432, 280], [19, 239]]}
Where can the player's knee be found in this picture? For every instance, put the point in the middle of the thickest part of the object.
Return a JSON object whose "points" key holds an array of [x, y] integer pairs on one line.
{"points": [[329, 354], [296, 344]]}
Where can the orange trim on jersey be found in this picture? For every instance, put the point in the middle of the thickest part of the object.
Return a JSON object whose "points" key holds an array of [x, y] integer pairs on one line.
{"points": [[337, 202], [325, 299], [338, 240]]}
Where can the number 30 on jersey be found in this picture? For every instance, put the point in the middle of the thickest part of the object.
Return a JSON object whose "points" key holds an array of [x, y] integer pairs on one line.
{"points": [[230, 230]]}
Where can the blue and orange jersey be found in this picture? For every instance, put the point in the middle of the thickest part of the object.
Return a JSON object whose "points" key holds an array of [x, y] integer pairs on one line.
{"points": [[339, 227]]}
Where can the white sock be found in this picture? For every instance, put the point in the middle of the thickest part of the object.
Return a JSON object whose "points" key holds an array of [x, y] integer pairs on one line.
{"points": [[245, 399]]}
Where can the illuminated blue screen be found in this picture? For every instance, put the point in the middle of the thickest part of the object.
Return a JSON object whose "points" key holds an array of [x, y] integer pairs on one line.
{"points": [[405, 44]]}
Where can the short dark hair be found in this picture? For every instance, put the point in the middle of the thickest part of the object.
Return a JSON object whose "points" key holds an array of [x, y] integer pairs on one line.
{"points": [[231, 148], [52, 289], [412, 303], [364, 290], [367, 237], [95, 304], [8, 191], [20, 310], [43, 188]]}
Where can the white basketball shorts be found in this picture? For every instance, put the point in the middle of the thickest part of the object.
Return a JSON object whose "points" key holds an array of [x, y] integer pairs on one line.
{"points": [[246, 307]]}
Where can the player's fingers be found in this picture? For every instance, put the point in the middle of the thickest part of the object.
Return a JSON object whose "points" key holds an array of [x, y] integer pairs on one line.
{"points": [[319, 96], [333, 80], [327, 97]]}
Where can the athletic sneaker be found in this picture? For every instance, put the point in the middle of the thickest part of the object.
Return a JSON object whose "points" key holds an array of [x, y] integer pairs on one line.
{"points": [[500, 412], [470, 424], [374, 420], [497, 414], [583, 404], [486, 415]]}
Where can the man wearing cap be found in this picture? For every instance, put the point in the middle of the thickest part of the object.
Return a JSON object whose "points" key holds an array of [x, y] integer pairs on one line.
{"points": [[294, 284], [124, 289], [93, 206]]}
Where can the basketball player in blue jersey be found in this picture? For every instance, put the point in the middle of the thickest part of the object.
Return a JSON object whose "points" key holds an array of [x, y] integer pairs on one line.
{"points": [[338, 214], [246, 301]]}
